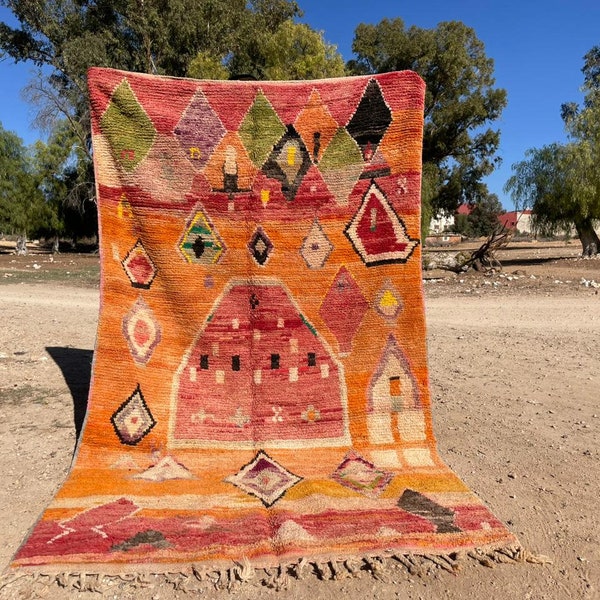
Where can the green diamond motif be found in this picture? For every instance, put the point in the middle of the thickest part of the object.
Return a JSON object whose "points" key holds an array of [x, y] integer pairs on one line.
{"points": [[201, 243], [260, 130], [341, 152], [127, 127]]}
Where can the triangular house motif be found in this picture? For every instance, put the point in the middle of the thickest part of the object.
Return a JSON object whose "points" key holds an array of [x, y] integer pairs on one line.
{"points": [[258, 372], [377, 233]]}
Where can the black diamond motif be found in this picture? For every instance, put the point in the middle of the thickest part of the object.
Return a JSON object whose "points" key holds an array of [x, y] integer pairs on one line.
{"points": [[133, 420], [260, 246], [288, 163], [370, 121]]}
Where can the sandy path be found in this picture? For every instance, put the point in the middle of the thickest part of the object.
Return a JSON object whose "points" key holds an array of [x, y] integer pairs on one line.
{"points": [[515, 388]]}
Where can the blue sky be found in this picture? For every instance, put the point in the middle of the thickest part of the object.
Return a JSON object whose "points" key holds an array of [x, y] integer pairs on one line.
{"points": [[537, 47]]}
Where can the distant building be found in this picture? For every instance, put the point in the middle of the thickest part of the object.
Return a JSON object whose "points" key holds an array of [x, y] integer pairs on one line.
{"points": [[441, 223], [519, 220]]}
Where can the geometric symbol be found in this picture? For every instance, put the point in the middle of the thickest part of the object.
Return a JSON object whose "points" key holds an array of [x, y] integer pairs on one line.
{"points": [[260, 246], [127, 127], [370, 120], [288, 163], [343, 309], [133, 420], [311, 414], [360, 475], [201, 244], [316, 247], [199, 130], [96, 519], [388, 302], [165, 469], [418, 504], [393, 387], [240, 419], [316, 126], [376, 232], [341, 165], [264, 478], [141, 331], [260, 129], [139, 266]]}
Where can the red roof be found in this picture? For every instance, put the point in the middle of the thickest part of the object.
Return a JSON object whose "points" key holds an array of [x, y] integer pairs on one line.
{"points": [[464, 209]]}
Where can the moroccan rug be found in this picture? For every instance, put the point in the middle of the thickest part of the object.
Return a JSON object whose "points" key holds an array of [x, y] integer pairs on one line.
{"points": [[259, 393]]}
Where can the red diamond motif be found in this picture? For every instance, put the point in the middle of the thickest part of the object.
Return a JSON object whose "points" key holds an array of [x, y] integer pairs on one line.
{"points": [[139, 267], [343, 309]]}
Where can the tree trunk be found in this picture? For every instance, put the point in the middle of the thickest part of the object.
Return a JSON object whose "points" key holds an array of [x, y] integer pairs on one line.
{"points": [[21, 246], [55, 245], [590, 243]]}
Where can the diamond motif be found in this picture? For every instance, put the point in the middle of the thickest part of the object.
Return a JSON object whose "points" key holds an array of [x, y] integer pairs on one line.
{"points": [[316, 247], [341, 165], [201, 243], [316, 126], [288, 163], [199, 130], [261, 129], [377, 233], [127, 127], [343, 309], [264, 478], [388, 302], [360, 475], [370, 120], [260, 246], [139, 267], [133, 420], [142, 331]]}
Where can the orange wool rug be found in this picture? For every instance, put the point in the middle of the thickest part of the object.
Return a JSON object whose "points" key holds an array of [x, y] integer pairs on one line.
{"points": [[260, 392]]}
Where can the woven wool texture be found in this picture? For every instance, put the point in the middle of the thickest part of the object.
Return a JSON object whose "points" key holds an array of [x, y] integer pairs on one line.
{"points": [[260, 385]]}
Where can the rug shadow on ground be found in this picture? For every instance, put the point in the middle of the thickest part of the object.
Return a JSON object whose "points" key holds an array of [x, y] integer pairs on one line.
{"points": [[76, 367]]}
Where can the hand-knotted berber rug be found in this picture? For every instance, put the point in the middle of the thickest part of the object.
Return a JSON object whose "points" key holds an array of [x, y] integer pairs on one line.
{"points": [[260, 391]]}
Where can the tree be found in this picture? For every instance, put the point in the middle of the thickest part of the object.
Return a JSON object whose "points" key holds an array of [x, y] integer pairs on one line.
{"points": [[295, 51], [21, 205], [458, 146], [63, 178], [483, 218], [555, 182], [561, 182], [66, 37]]}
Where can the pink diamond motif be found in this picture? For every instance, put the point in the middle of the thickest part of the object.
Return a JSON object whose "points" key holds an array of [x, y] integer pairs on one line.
{"points": [[142, 331], [139, 267], [343, 309], [264, 478], [360, 475]]}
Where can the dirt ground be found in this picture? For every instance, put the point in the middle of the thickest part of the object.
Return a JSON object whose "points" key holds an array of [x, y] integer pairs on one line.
{"points": [[514, 378]]}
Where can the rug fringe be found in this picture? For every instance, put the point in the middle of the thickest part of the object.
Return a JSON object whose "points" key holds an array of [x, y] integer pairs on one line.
{"points": [[242, 572]]}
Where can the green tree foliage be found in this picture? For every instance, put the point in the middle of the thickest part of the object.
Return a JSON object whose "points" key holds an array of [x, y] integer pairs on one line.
{"points": [[461, 100], [21, 205], [557, 182], [291, 51], [561, 182], [64, 178], [482, 220], [295, 51]]}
